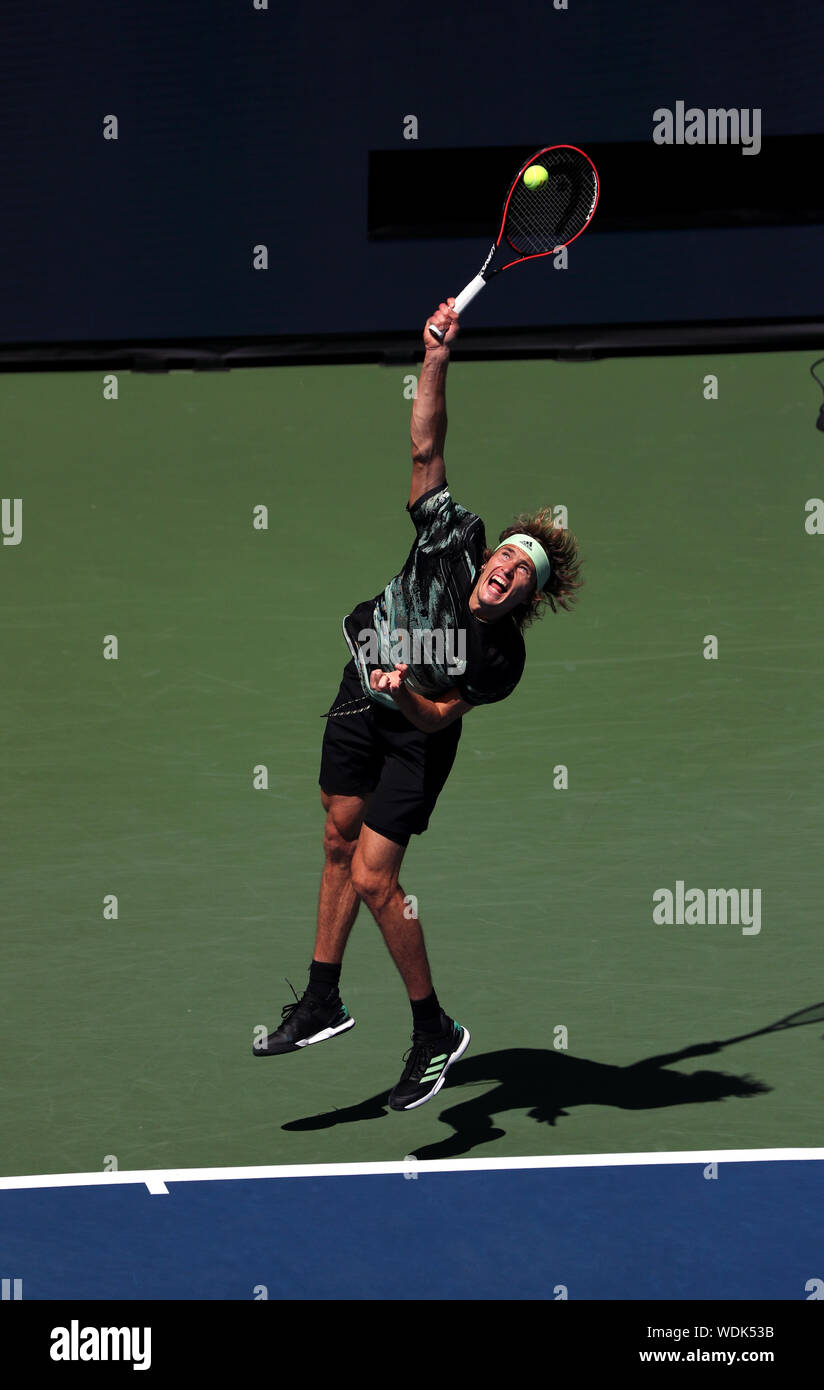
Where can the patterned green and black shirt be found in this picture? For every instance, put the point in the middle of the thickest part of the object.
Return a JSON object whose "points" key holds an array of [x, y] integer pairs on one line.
{"points": [[423, 616]]}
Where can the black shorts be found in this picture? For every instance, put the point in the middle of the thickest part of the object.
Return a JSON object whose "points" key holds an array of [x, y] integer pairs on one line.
{"points": [[378, 751]]}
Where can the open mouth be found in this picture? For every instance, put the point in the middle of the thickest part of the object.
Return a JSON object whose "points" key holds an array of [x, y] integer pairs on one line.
{"points": [[498, 584]]}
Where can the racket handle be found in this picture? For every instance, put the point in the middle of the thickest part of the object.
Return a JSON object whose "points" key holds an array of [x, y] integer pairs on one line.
{"points": [[465, 297]]}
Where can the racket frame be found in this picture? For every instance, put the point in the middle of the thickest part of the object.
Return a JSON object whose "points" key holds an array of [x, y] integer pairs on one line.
{"points": [[470, 291]]}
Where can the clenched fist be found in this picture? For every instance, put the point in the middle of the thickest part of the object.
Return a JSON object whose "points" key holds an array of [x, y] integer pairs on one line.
{"points": [[444, 317], [389, 681]]}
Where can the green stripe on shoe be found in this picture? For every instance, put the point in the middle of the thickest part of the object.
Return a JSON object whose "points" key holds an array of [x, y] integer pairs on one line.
{"points": [[433, 1071]]}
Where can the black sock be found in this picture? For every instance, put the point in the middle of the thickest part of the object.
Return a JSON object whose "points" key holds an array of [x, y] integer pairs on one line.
{"points": [[426, 1014], [323, 978]]}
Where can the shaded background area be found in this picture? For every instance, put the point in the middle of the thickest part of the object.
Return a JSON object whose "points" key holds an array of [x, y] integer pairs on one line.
{"points": [[240, 127], [133, 1037]]}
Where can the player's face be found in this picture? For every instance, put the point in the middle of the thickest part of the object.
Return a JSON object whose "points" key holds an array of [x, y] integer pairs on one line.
{"points": [[507, 579]]}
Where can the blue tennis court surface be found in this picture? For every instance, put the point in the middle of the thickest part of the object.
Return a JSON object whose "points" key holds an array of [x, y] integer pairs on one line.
{"points": [[643, 1231]]}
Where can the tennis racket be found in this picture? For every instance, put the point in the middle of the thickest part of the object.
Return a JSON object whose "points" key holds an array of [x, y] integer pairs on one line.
{"points": [[539, 220]]}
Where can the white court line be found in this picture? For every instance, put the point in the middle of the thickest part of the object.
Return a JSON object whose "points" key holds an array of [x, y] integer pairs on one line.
{"points": [[156, 1179]]}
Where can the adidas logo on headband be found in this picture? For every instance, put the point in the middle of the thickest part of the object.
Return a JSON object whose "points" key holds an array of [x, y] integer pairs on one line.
{"points": [[536, 553]]}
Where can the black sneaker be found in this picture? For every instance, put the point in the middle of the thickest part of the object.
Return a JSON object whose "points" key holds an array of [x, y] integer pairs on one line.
{"points": [[309, 1020], [429, 1059]]}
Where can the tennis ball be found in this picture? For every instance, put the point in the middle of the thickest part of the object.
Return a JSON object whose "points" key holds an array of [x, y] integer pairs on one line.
{"points": [[535, 176]]}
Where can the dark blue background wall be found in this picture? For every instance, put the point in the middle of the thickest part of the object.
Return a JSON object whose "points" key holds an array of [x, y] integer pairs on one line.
{"points": [[240, 126]]}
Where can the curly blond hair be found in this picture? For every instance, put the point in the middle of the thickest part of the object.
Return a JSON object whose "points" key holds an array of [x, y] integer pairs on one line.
{"points": [[565, 565]]}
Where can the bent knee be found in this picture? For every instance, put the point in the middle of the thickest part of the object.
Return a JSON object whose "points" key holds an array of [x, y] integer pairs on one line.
{"points": [[344, 817], [336, 846], [373, 886]]}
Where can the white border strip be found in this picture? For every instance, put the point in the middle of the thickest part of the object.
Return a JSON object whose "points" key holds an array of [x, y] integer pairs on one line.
{"points": [[156, 1179]]}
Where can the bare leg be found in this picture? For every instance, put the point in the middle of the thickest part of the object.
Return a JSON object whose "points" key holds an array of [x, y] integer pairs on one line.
{"points": [[338, 903], [374, 878]]}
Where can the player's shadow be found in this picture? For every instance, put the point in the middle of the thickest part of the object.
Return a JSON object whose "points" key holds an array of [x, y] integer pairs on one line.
{"points": [[547, 1084]]}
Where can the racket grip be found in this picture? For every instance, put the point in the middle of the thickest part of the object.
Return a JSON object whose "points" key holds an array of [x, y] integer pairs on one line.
{"points": [[465, 297]]}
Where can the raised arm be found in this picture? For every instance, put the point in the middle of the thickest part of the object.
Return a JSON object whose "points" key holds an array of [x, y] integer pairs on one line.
{"points": [[428, 428]]}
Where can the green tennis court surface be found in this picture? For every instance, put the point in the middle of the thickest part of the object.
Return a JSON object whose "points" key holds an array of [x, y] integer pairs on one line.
{"points": [[133, 777]]}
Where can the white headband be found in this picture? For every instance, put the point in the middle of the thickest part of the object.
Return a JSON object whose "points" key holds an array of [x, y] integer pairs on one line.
{"points": [[536, 553]]}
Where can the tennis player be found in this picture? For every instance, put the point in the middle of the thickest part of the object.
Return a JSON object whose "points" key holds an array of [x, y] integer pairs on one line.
{"points": [[442, 638]]}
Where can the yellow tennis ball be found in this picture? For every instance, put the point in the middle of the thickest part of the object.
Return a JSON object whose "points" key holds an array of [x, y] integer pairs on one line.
{"points": [[535, 176]]}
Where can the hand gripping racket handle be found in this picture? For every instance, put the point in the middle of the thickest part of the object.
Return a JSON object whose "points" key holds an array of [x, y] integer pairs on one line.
{"points": [[465, 297]]}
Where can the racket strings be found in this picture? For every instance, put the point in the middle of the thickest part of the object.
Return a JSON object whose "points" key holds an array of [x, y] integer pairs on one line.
{"points": [[540, 219]]}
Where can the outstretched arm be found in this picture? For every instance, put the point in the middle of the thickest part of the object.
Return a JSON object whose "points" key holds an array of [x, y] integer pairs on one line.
{"points": [[428, 428]]}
